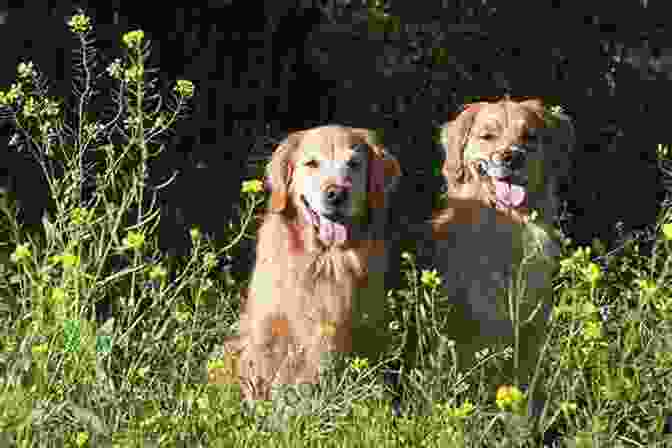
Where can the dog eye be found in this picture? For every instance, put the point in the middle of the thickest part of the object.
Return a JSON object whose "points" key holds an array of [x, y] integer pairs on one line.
{"points": [[311, 163], [487, 137], [360, 147], [354, 164]]}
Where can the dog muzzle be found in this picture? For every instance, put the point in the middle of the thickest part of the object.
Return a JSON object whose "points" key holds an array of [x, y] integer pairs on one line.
{"points": [[330, 232], [508, 177]]}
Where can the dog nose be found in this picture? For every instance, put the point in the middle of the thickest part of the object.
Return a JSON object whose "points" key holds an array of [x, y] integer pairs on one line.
{"points": [[513, 158], [336, 195]]}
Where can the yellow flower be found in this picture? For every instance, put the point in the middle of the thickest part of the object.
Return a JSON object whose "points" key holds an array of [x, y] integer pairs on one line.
{"points": [[21, 253], [158, 272], [510, 398], [79, 215], [592, 330], [25, 70], [134, 240], [41, 348], [667, 231], [184, 87], [359, 363], [115, 69], [430, 278], [134, 73], [58, 295], [195, 233], [593, 273], [462, 412], [132, 39], [252, 186], [80, 24]]}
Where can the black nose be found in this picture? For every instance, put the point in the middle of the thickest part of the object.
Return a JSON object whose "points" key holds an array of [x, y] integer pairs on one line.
{"points": [[336, 195], [514, 160]]}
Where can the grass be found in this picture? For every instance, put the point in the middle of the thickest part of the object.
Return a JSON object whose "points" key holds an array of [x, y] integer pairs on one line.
{"points": [[141, 377]]}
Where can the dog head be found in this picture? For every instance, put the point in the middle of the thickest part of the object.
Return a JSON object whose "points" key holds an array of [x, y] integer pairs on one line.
{"points": [[333, 175], [501, 152]]}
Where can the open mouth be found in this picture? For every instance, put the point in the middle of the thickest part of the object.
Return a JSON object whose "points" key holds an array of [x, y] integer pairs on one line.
{"points": [[509, 194], [332, 227]]}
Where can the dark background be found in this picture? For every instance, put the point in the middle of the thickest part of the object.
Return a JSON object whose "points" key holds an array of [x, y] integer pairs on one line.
{"points": [[265, 68]]}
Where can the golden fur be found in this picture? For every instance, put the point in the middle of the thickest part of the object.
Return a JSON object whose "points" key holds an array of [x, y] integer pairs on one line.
{"points": [[309, 296], [480, 242]]}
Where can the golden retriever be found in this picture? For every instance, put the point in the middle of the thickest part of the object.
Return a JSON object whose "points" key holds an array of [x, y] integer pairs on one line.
{"points": [[317, 284], [503, 162]]}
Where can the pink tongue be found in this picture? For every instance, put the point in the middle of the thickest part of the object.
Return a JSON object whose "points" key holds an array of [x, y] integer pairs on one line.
{"points": [[330, 232], [509, 195]]}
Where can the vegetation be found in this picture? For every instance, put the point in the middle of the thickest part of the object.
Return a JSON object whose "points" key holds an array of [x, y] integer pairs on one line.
{"points": [[141, 377]]}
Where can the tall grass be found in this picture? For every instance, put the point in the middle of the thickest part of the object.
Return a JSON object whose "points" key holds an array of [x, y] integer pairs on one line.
{"points": [[140, 378]]}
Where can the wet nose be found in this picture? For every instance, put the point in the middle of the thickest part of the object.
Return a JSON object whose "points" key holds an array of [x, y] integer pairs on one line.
{"points": [[336, 195], [514, 159]]}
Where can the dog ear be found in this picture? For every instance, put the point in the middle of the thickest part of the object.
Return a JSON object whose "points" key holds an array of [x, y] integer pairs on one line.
{"points": [[536, 106], [454, 136], [279, 171], [383, 170]]}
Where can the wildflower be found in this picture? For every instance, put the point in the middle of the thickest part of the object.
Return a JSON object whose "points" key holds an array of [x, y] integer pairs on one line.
{"points": [[195, 233], [184, 87], [25, 70], [29, 108], [406, 256], [132, 39], [430, 278], [134, 73], [182, 316], [22, 252], [115, 69], [160, 121], [510, 398], [593, 273], [69, 260], [359, 363], [592, 330], [158, 272], [568, 408], [79, 215], [58, 295], [210, 260], [395, 325], [667, 231], [134, 240], [252, 186], [80, 24], [460, 412], [556, 109], [9, 98], [41, 348]]}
